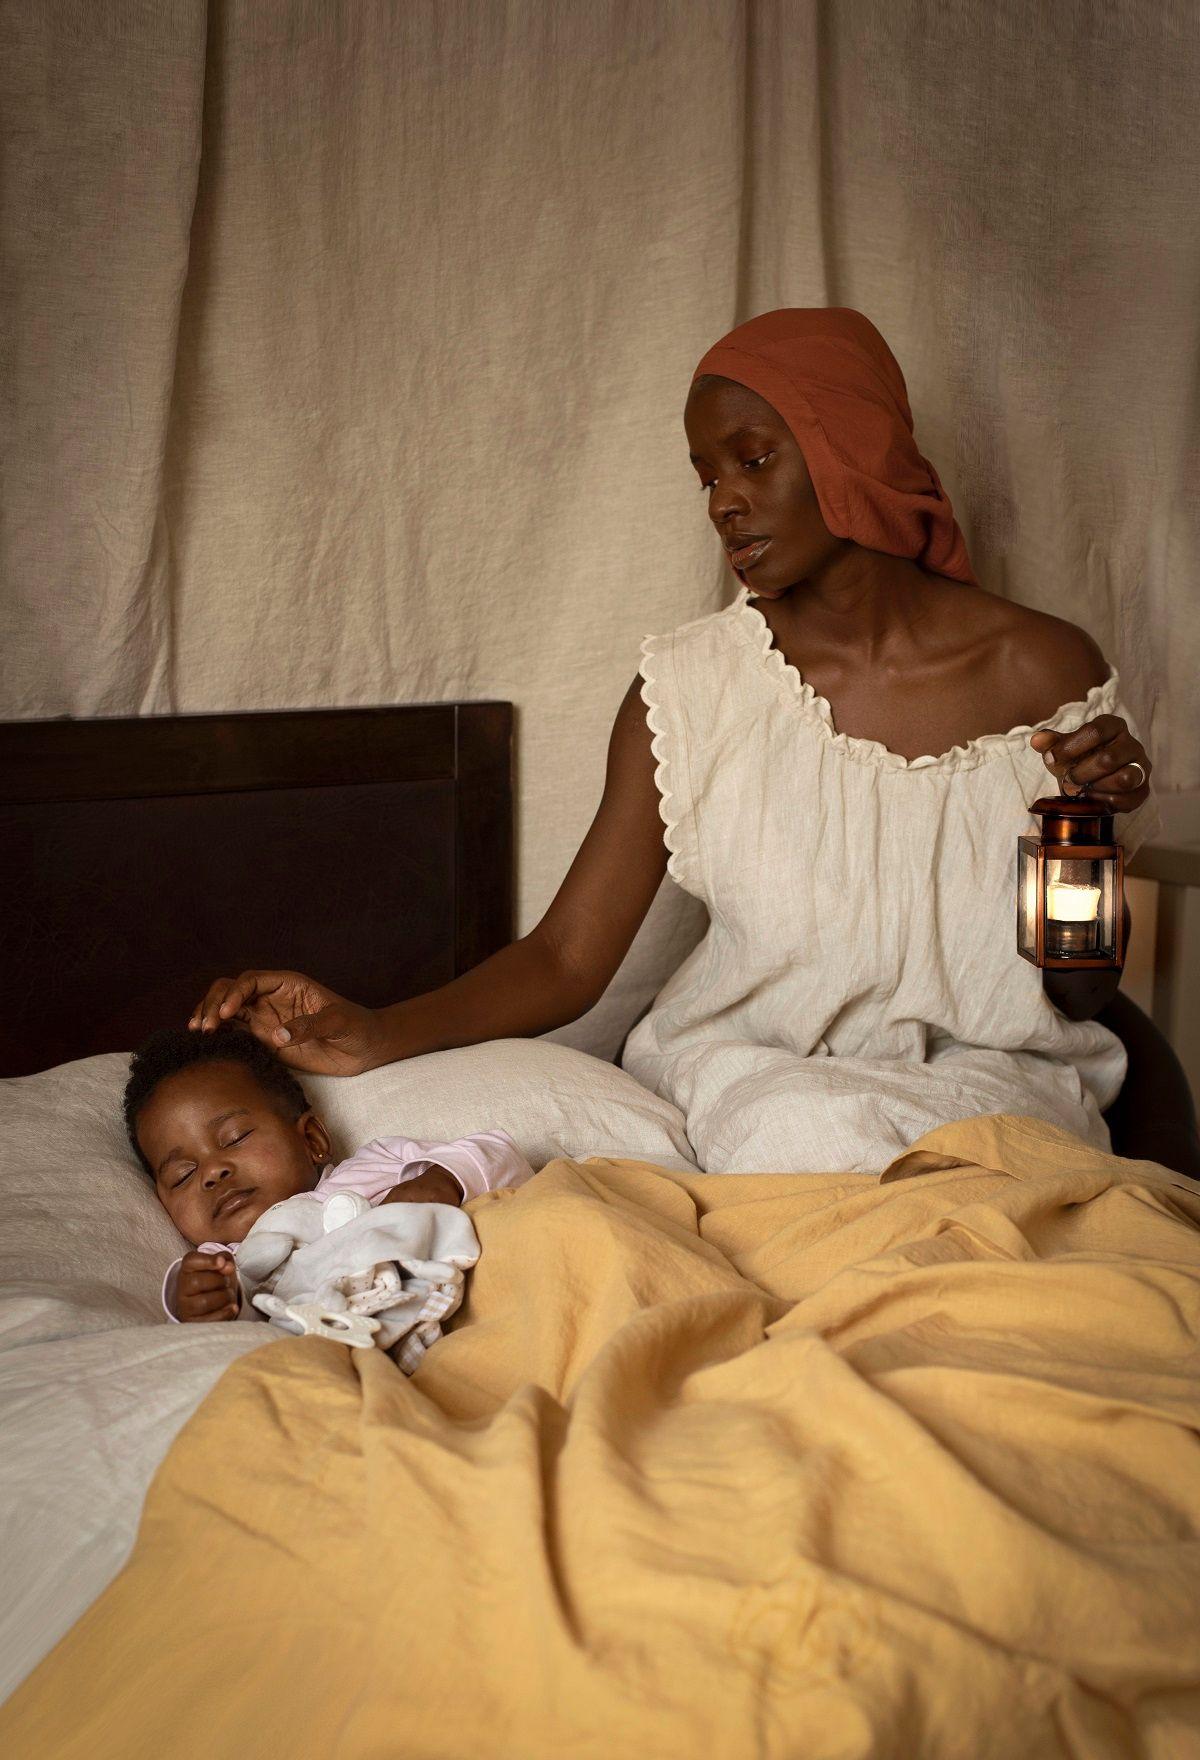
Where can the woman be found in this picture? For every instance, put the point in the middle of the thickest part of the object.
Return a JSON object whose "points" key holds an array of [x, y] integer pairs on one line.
{"points": [[843, 761]]}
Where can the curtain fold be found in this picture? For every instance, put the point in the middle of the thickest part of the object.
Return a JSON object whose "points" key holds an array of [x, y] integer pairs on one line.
{"points": [[347, 342], [101, 110]]}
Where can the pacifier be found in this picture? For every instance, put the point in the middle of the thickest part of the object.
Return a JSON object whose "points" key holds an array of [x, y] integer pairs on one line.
{"points": [[312, 1320]]}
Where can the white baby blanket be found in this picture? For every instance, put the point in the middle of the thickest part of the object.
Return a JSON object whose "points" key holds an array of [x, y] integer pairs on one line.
{"points": [[401, 1264]]}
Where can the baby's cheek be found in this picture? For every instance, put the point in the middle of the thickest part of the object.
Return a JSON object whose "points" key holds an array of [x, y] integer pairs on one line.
{"points": [[182, 1214], [276, 1183]]}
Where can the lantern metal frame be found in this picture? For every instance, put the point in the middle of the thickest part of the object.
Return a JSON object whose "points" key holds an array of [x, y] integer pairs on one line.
{"points": [[1076, 829]]}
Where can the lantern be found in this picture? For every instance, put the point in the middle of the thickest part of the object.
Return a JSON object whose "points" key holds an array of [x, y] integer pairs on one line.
{"points": [[1071, 888]]}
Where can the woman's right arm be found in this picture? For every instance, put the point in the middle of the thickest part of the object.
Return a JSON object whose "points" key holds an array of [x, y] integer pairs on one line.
{"points": [[547, 978]]}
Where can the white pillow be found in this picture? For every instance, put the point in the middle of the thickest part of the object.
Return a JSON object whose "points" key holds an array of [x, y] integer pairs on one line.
{"points": [[550, 1099], [84, 1242]]}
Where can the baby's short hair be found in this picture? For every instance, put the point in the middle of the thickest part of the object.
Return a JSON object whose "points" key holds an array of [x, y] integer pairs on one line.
{"points": [[167, 1052]]}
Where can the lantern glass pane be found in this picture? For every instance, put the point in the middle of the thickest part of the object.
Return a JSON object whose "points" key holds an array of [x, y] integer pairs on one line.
{"points": [[1027, 902], [1108, 906], [1079, 907]]}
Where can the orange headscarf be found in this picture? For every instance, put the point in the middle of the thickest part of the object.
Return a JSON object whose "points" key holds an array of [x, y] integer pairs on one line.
{"points": [[834, 380]]}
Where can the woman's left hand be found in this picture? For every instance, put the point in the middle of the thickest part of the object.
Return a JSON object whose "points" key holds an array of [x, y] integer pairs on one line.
{"points": [[1102, 758]]}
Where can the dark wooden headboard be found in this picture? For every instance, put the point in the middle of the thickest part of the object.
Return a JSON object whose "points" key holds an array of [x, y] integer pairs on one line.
{"points": [[141, 858]]}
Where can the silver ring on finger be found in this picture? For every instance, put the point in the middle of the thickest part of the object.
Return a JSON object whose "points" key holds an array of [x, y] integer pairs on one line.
{"points": [[1141, 770]]}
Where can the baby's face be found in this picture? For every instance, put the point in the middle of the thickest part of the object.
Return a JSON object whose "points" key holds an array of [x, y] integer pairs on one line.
{"points": [[222, 1153]]}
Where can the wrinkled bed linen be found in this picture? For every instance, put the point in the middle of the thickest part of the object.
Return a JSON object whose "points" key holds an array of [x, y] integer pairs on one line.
{"points": [[757, 1466]]}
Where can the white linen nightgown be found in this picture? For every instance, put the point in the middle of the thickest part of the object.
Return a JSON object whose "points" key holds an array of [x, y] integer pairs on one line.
{"points": [[859, 982]]}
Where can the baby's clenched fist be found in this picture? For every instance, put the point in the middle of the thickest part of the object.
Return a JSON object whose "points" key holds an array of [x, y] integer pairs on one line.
{"points": [[207, 1288]]}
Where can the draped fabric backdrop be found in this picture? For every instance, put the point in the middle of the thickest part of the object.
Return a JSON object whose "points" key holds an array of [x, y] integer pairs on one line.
{"points": [[346, 342]]}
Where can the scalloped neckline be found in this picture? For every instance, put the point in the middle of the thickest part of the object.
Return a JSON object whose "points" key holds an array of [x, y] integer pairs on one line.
{"points": [[975, 751]]}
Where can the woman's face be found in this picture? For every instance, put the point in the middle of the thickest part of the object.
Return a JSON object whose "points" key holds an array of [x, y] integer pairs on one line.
{"points": [[760, 496]]}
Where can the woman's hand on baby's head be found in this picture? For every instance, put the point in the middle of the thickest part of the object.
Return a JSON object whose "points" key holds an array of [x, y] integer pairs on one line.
{"points": [[307, 1026], [207, 1287]]}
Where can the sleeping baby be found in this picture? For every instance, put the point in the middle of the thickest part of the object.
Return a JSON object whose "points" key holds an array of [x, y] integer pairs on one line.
{"points": [[226, 1133]]}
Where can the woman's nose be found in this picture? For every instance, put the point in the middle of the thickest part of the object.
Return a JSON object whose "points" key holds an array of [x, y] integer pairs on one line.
{"points": [[727, 501]]}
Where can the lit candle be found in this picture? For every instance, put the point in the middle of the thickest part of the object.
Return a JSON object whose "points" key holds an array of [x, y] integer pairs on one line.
{"points": [[1072, 904]]}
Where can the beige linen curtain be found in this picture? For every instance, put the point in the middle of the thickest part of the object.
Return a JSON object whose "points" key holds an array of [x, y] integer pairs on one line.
{"points": [[345, 342]]}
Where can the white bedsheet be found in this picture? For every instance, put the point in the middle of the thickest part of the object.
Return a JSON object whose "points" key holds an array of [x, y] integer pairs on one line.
{"points": [[94, 1386]]}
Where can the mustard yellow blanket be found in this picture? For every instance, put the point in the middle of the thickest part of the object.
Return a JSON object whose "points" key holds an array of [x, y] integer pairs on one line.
{"points": [[735, 1466]]}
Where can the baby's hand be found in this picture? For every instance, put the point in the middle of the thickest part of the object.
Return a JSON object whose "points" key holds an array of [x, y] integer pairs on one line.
{"points": [[207, 1287], [434, 1186]]}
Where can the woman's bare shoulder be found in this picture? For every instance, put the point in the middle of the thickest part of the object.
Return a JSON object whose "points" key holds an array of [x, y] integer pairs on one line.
{"points": [[1046, 660]]}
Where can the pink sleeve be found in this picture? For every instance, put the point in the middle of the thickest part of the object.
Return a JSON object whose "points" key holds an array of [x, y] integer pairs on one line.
{"points": [[172, 1278], [489, 1161]]}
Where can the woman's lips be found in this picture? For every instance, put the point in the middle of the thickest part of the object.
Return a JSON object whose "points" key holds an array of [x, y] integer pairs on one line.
{"points": [[749, 554]]}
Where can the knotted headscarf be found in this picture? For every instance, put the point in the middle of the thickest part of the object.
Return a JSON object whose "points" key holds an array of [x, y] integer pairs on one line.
{"points": [[834, 380]]}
